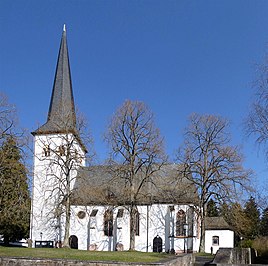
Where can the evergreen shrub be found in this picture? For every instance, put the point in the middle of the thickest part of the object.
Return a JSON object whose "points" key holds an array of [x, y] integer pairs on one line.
{"points": [[246, 243]]}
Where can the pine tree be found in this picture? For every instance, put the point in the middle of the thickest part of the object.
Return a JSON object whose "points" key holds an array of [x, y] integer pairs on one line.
{"points": [[264, 223], [235, 216], [14, 193], [252, 212], [212, 209]]}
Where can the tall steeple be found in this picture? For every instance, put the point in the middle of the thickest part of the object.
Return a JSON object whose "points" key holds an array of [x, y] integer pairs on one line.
{"points": [[61, 115]]}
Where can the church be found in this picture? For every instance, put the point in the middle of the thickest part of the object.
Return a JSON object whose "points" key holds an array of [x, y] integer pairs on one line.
{"points": [[87, 203]]}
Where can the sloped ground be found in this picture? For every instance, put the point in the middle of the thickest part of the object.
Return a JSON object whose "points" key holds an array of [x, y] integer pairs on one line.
{"points": [[203, 260], [73, 254]]}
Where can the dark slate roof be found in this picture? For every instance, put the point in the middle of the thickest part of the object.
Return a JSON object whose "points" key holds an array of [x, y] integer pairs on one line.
{"points": [[100, 185], [61, 115], [216, 223]]}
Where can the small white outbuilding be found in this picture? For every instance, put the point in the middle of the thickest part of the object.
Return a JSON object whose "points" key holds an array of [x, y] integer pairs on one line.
{"points": [[218, 234]]}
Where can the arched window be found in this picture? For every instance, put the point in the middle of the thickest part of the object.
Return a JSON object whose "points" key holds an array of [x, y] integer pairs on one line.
{"points": [[180, 222], [108, 223], [77, 156], [215, 241], [120, 213]]}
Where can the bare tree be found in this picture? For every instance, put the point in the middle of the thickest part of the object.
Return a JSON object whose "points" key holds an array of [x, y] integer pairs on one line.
{"points": [[257, 120], [211, 163], [8, 117], [9, 127], [64, 152], [136, 152]]}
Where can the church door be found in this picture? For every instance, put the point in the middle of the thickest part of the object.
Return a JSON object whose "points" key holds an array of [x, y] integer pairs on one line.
{"points": [[73, 242], [157, 244]]}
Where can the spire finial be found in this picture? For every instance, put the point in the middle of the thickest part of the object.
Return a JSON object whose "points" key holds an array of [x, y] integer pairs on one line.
{"points": [[64, 27]]}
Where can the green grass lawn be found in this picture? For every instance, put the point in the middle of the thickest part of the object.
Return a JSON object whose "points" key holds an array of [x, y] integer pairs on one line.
{"points": [[74, 254]]}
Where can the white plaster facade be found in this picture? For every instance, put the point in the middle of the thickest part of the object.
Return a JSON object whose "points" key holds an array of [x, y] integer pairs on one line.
{"points": [[155, 220], [225, 240], [48, 182]]}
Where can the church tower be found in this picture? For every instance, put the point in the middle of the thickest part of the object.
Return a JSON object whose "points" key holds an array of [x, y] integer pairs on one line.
{"points": [[58, 153]]}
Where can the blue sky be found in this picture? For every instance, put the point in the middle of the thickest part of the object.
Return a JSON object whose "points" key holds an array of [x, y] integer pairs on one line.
{"points": [[179, 57]]}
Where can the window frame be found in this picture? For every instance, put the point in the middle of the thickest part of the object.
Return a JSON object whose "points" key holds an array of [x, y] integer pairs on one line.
{"points": [[180, 222], [108, 223], [46, 150], [215, 240]]}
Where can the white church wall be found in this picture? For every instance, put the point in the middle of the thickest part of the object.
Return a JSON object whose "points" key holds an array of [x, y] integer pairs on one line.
{"points": [[90, 230], [79, 226], [196, 233], [157, 224], [155, 221], [45, 197], [216, 239]]}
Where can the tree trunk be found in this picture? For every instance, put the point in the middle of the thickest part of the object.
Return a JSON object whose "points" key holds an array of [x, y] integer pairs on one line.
{"points": [[67, 224], [132, 228], [202, 235]]}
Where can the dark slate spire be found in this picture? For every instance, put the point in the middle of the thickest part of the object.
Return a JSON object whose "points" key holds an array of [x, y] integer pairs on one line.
{"points": [[61, 115]]}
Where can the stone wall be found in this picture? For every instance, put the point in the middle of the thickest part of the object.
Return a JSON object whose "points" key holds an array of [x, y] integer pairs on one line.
{"points": [[223, 264], [233, 256], [186, 260]]}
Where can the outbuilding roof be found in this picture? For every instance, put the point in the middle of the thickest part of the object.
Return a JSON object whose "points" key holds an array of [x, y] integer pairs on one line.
{"points": [[216, 223]]}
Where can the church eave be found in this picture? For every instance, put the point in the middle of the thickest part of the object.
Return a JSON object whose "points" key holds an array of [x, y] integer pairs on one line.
{"points": [[40, 132]]}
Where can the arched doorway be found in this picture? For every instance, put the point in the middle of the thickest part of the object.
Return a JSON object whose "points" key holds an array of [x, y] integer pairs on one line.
{"points": [[73, 242], [157, 244]]}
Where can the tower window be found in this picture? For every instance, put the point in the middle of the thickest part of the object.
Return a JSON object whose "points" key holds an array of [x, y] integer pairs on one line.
{"points": [[46, 150], [78, 156], [61, 150]]}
